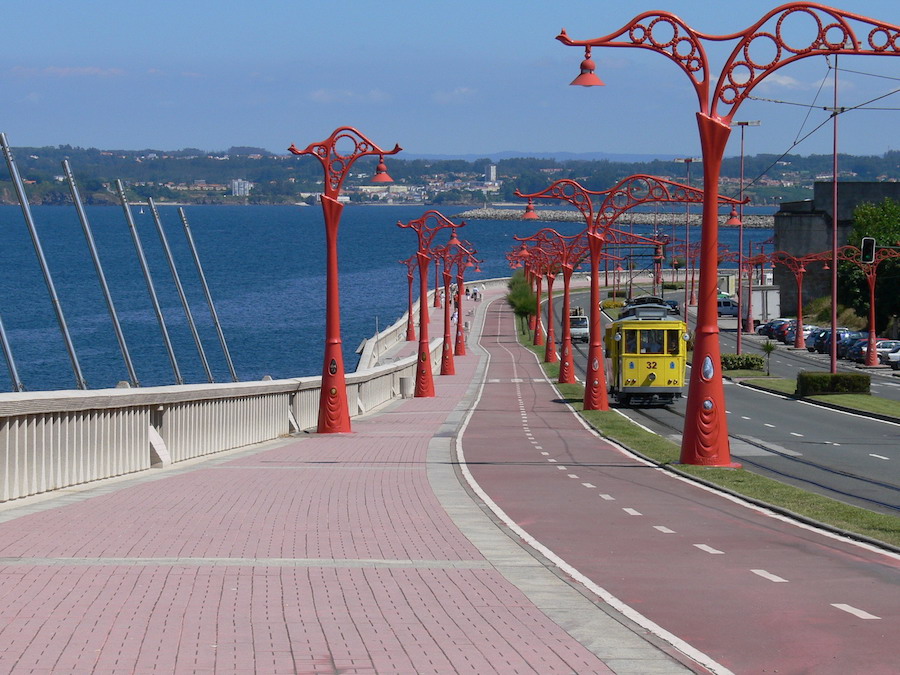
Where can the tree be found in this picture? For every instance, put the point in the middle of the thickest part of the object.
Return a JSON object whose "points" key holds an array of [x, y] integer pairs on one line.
{"points": [[768, 347], [882, 222]]}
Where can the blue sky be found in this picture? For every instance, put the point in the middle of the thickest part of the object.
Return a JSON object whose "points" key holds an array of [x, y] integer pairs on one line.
{"points": [[461, 77]]}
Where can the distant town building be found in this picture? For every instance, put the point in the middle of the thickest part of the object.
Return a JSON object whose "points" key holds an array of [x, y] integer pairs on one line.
{"points": [[490, 175], [241, 187]]}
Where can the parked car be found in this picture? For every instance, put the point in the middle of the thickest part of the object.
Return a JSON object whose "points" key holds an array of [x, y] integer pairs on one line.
{"points": [[885, 347], [779, 331], [673, 307], [823, 342], [727, 307], [846, 342], [882, 347], [892, 358], [813, 337], [766, 328], [857, 350]]}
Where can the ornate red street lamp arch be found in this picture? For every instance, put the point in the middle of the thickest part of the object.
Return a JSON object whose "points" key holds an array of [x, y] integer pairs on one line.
{"points": [[337, 154], [426, 227], [410, 263], [705, 438]]}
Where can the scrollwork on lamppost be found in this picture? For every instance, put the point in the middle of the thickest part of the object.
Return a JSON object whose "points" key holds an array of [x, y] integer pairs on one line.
{"points": [[705, 438], [337, 153]]}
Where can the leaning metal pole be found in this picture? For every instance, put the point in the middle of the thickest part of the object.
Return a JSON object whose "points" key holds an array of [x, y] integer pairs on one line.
{"points": [[184, 303], [209, 300], [146, 270], [35, 240], [10, 362], [101, 277]]}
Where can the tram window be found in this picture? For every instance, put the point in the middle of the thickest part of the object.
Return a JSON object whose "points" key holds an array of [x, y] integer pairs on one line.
{"points": [[673, 341], [652, 341], [630, 341]]}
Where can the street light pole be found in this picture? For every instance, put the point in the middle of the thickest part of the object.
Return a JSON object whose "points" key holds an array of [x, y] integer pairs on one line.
{"points": [[742, 320], [425, 234], [705, 438], [334, 415]]}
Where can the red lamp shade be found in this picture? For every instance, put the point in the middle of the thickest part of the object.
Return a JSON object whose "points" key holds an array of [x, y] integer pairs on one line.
{"points": [[587, 77], [381, 174], [530, 213], [733, 221]]}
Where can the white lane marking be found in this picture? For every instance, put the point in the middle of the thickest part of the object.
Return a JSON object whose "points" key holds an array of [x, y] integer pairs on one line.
{"points": [[709, 549], [632, 512], [794, 433], [744, 417], [771, 426], [608, 498], [770, 576], [588, 485], [879, 456], [572, 475], [551, 460], [538, 447], [663, 529], [544, 453], [562, 468], [854, 611]]}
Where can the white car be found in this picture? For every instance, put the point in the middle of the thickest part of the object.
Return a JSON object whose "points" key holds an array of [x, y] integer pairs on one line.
{"points": [[892, 358]]}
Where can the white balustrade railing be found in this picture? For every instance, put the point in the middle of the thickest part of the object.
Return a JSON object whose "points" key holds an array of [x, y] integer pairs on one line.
{"points": [[52, 440]]}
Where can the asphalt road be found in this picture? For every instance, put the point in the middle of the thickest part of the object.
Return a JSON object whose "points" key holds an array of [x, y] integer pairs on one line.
{"points": [[845, 456]]}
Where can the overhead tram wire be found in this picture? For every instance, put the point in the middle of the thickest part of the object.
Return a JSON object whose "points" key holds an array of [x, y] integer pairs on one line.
{"points": [[812, 106]]}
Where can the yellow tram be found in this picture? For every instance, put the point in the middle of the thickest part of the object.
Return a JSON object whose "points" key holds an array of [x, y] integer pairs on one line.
{"points": [[646, 352]]}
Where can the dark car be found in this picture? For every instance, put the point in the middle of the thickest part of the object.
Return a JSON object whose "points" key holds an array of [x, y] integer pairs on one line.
{"points": [[848, 341], [767, 328], [673, 307], [779, 332], [856, 351], [813, 337], [823, 343]]}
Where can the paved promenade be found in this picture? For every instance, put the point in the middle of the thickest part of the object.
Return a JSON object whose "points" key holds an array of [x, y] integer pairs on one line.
{"points": [[349, 553]]}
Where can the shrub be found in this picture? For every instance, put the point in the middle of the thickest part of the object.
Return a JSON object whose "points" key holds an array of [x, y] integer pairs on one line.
{"points": [[815, 383], [672, 285], [612, 304], [742, 362]]}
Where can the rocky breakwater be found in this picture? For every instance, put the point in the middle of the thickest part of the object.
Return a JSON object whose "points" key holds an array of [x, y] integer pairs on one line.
{"points": [[627, 218]]}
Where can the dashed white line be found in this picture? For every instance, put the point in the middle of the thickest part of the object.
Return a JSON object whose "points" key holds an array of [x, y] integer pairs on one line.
{"points": [[608, 498], [794, 433], [572, 475], [854, 611], [544, 453], [632, 512], [588, 485], [562, 468], [878, 456], [709, 549], [663, 529], [539, 447], [770, 576], [552, 460], [771, 426], [744, 417]]}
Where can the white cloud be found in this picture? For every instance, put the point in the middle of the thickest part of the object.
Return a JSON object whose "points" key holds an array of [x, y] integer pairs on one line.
{"points": [[348, 96], [458, 95], [67, 71]]}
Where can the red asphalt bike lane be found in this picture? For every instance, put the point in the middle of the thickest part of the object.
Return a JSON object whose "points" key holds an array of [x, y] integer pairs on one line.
{"points": [[749, 589]]}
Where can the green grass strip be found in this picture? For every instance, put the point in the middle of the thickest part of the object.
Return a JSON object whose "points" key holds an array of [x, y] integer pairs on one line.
{"points": [[610, 424]]}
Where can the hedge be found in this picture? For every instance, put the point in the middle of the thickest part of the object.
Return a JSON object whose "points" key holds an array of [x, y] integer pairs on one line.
{"points": [[814, 383]]}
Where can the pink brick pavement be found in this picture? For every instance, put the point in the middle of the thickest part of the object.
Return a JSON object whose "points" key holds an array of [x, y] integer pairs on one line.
{"points": [[318, 554]]}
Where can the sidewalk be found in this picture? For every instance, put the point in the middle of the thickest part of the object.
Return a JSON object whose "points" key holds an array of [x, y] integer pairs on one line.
{"points": [[345, 553]]}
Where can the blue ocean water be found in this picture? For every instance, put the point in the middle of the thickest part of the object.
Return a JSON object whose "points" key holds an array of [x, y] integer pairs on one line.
{"points": [[265, 266]]}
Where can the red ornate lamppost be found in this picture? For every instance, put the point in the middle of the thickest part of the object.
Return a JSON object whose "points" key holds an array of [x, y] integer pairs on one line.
{"points": [[426, 228], [547, 266], [797, 266], [464, 259], [853, 255], [410, 275], [626, 194], [705, 438], [337, 153], [444, 255]]}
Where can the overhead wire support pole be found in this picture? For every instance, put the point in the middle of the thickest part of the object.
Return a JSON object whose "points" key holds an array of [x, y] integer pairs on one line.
{"points": [[101, 277], [38, 249], [184, 303], [10, 362], [209, 300], [149, 281]]}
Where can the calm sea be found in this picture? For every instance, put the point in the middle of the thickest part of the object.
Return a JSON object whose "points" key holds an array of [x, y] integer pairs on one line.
{"points": [[265, 266]]}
